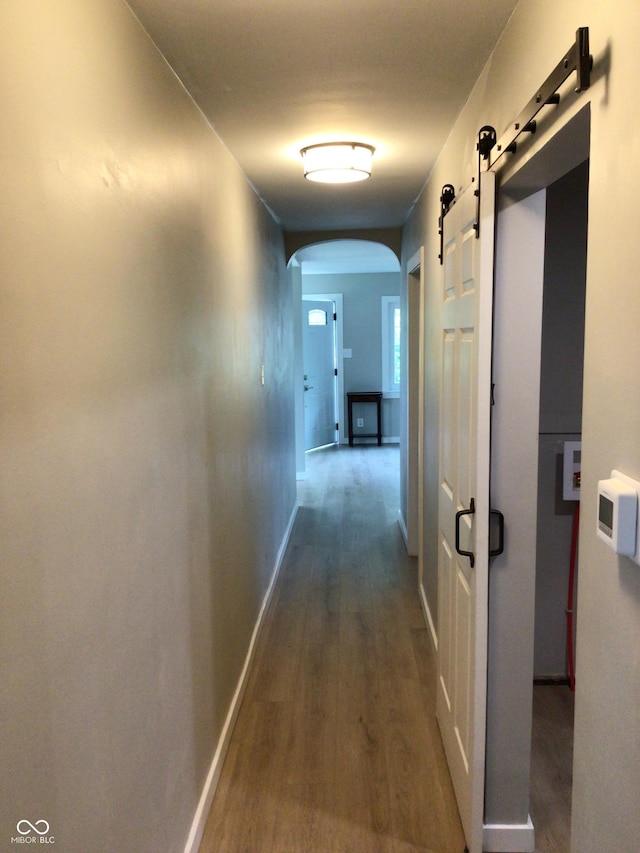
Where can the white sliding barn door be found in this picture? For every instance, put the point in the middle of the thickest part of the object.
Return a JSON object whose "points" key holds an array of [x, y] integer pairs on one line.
{"points": [[467, 307]]}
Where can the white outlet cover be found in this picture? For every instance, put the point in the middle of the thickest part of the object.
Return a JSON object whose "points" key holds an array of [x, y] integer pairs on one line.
{"points": [[569, 467]]}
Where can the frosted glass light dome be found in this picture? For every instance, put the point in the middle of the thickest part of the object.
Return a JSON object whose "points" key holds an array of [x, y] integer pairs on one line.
{"points": [[337, 162]]}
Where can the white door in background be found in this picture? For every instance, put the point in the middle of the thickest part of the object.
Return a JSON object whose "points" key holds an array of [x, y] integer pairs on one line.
{"points": [[465, 412], [319, 364]]}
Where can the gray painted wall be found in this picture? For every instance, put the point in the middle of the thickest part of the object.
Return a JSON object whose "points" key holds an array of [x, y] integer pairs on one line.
{"points": [[606, 745], [147, 476], [362, 334]]}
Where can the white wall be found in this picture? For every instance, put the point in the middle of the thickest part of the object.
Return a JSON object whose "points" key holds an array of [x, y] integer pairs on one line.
{"points": [[607, 748], [147, 478]]}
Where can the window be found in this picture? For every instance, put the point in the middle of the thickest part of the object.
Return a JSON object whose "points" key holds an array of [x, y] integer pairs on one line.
{"points": [[391, 345], [317, 317]]}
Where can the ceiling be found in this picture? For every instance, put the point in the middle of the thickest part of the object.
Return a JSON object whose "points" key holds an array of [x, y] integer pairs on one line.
{"points": [[274, 75]]}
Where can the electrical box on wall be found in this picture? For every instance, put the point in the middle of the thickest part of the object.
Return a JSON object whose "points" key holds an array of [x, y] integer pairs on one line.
{"points": [[617, 520], [571, 465]]}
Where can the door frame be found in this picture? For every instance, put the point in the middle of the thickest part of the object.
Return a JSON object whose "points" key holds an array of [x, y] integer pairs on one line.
{"points": [[413, 350], [521, 227], [415, 474], [337, 299], [519, 274]]}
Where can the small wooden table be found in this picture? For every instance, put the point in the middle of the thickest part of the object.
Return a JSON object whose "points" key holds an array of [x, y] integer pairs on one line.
{"points": [[365, 397]]}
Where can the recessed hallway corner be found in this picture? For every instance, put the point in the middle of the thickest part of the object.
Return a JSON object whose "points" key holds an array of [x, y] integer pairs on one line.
{"points": [[336, 747]]}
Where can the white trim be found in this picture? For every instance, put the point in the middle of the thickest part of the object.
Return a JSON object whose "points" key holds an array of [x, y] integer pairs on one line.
{"points": [[413, 392], [428, 617], [415, 430], [337, 299], [509, 837], [213, 776], [403, 529], [388, 305]]}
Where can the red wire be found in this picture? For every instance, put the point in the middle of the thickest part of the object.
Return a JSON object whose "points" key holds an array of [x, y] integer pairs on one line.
{"points": [[572, 574]]}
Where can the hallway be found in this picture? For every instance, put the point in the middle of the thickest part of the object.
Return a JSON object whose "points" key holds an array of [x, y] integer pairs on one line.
{"points": [[336, 747]]}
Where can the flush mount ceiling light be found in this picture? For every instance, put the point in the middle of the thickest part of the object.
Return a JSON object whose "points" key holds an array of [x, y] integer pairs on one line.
{"points": [[337, 162]]}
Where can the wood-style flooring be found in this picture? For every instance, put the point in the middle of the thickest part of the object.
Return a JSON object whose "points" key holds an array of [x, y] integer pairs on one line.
{"points": [[336, 747], [551, 767]]}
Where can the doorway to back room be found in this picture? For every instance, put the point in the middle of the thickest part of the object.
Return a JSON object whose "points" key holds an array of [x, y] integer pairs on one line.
{"points": [[539, 325], [361, 279]]}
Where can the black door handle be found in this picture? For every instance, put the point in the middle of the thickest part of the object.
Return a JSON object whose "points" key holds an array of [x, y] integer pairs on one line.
{"points": [[494, 552], [470, 511]]}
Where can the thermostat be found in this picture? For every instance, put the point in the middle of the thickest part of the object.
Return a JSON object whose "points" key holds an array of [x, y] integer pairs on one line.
{"points": [[618, 513]]}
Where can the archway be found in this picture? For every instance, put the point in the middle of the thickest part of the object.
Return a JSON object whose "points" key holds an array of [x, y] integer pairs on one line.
{"points": [[356, 273]]}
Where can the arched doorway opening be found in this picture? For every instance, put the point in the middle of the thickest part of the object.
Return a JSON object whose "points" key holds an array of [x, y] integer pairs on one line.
{"points": [[360, 278]]}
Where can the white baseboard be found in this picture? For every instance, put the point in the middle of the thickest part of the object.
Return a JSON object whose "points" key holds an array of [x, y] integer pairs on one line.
{"points": [[509, 838], [206, 798], [405, 534], [429, 619], [403, 529]]}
